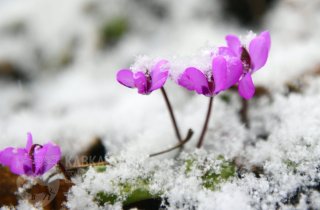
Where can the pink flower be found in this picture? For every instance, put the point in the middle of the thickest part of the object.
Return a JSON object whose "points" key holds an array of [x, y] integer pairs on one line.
{"points": [[33, 160], [225, 72], [147, 80], [253, 58]]}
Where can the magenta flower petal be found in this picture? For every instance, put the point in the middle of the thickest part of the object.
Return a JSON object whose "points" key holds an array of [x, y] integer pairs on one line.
{"points": [[266, 36], [235, 70], [226, 51], [29, 141], [17, 160], [159, 81], [159, 75], [186, 81], [219, 68], [199, 81], [125, 77], [46, 157], [6, 156], [21, 163], [259, 49], [160, 66], [234, 44], [226, 73], [246, 87], [141, 82]]}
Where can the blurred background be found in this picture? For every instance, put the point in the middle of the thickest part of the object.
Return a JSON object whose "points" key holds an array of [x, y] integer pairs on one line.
{"points": [[58, 61]]}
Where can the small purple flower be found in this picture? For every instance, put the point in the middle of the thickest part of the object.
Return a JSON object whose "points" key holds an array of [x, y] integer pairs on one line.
{"points": [[33, 160], [225, 72], [147, 80], [253, 58]]}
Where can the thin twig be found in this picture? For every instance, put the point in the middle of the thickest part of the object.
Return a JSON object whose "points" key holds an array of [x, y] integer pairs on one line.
{"points": [[188, 137], [63, 171], [205, 126], [89, 164], [173, 119]]}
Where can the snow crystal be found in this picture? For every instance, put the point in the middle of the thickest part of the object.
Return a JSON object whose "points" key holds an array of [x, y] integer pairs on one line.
{"points": [[24, 205]]}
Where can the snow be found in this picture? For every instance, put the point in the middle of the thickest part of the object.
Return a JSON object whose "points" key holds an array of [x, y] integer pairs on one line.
{"points": [[73, 103]]}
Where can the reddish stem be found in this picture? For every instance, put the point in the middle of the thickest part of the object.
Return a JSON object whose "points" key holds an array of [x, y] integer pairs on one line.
{"points": [[205, 126], [173, 119]]}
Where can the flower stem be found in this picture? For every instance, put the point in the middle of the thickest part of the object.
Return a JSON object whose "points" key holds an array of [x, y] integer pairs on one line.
{"points": [[205, 126], [244, 113], [173, 119], [63, 171], [179, 145]]}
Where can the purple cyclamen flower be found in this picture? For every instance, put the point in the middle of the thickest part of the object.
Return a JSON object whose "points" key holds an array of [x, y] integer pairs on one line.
{"points": [[147, 80], [225, 72], [33, 160], [253, 58]]}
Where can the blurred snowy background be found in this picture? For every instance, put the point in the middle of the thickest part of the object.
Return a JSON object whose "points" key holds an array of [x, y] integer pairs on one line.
{"points": [[58, 61]]}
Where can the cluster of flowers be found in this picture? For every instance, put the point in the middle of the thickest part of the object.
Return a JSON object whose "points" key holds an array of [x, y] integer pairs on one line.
{"points": [[232, 64]]}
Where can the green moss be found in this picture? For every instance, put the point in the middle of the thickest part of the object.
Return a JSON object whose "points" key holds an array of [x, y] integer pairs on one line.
{"points": [[291, 165], [214, 176], [228, 169], [130, 192], [137, 189], [112, 31], [103, 198], [188, 165], [139, 195], [212, 179], [100, 169]]}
